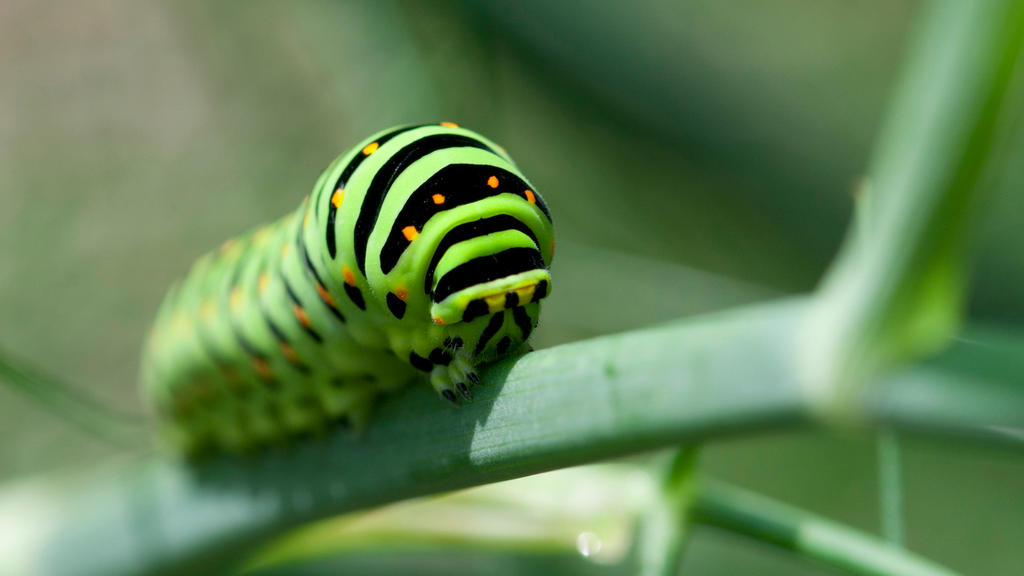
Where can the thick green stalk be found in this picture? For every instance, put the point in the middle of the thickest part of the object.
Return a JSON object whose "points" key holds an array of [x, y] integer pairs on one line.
{"points": [[573, 404], [896, 291], [686, 382]]}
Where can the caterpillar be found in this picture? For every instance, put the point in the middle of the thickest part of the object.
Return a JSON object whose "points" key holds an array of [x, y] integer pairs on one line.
{"points": [[423, 249]]}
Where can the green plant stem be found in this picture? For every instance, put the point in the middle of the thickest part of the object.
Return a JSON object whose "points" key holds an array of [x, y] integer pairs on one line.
{"points": [[974, 387], [890, 487], [686, 382], [665, 527], [808, 535], [896, 291], [573, 404]]}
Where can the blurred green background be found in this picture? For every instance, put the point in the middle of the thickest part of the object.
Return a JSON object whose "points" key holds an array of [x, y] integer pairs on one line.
{"points": [[696, 155]]}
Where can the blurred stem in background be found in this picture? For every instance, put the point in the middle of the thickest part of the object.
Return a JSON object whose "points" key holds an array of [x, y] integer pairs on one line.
{"points": [[808, 535], [890, 486], [896, 291], [665, 527], [591, 509]]}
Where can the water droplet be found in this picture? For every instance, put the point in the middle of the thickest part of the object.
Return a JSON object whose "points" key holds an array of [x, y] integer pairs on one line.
{"points": [[588, 544]]}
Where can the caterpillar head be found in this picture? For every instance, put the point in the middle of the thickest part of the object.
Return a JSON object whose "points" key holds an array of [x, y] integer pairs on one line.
{"points": [[461, 234], [489, 254]]}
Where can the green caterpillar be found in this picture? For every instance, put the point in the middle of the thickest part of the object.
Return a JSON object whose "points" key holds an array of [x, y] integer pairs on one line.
{"points": [[421, 249]]}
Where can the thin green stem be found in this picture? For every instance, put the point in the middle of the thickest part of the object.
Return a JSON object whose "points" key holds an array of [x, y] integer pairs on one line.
{"points": [[810, 536], [890, 487], [665, 528]]}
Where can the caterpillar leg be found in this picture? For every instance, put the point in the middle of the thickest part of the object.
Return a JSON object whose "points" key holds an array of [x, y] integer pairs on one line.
{"points": [[455, 380]]}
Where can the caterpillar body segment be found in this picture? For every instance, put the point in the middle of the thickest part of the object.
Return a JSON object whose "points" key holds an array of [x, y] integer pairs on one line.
{"points": [[421, 250]]}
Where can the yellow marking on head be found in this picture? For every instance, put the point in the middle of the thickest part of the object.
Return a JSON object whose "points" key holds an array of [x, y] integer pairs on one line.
{"points": [[410, 233], [324, 295], [438, 198], [449, 124], [301, 315], [526, 294], [262, 368], [338, 197], [495, 303], [530, 197], [438, 320], [370, 148], [305, 219], [236, 299], [285, 249], [492, 181], [264, 280], [552, 247], [402, 292], [350, 278], [289, 353]]}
